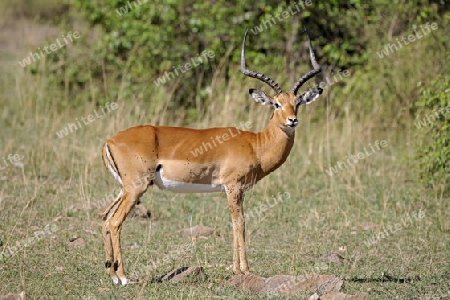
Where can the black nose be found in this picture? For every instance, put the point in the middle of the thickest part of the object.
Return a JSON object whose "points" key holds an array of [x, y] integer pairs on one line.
{"points": [[294, 121]]}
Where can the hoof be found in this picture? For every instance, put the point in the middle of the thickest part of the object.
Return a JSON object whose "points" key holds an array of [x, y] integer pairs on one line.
{"points": [[115, 279], [124, 280]]}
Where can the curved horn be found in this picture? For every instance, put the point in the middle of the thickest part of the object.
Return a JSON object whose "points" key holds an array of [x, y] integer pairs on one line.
{"points": [[311, 73], [257, 75]]}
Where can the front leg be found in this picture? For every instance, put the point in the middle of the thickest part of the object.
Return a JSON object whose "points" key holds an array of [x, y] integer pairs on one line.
{"points": [[235, 202], [127, 202]]}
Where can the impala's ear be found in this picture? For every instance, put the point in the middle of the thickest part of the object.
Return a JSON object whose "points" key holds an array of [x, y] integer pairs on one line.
{"points": [[260, 97], [309, 96]]}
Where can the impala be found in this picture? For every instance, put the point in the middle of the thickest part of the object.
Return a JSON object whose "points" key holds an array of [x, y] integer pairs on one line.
{"points": [[163, 156]]}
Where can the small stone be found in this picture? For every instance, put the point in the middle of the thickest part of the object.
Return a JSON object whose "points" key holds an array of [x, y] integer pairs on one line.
{"points": [[181, 274], [332, 257], [198, 231], [76, 242], [341, 296], [20, 296], [141, 211], [18, 165]]}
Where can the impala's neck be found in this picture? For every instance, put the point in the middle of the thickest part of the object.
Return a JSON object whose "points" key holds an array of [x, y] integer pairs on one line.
{"points": [[273, 146]]}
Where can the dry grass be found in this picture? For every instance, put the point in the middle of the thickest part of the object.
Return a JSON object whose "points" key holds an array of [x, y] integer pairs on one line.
{"points": [[61, 179]]}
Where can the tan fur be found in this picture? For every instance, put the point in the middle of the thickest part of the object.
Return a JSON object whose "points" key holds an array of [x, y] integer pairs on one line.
{"points": [[238, 163], [141, 155]]}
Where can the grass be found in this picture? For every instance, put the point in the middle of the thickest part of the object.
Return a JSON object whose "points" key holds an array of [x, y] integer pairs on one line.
{"points": [[65, 178], [62, 181]]}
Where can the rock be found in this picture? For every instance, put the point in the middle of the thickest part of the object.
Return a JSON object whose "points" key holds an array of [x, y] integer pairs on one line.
{"points": [[249, 282], [76, 242], [18, 164], [324, 287], [198, 231], [369, 226], [340, 296], [20, 296], [279, 285], [332, 257], [141, 211], [181, 274]]}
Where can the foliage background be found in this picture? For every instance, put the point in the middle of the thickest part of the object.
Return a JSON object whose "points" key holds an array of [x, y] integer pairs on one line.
{"points": [[133, 49]]}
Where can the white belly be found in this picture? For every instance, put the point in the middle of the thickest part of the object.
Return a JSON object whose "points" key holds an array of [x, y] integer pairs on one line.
{"points": [[185, 187]]}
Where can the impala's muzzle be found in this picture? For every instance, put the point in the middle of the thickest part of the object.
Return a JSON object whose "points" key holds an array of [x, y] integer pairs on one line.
{"points": [[291, 122]]}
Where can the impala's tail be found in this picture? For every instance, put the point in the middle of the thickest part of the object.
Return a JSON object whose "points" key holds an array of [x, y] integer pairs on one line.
{"points": [[110, 163]]}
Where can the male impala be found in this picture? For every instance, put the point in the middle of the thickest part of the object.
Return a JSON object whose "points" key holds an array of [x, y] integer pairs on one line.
{"points": [[164, 156]]}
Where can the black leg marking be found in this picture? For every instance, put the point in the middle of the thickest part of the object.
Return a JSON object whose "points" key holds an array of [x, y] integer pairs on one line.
{"points": [[116, 265], [107, 264]]}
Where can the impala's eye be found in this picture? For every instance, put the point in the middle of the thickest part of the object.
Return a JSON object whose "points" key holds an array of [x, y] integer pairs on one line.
{"points": [[277, 105]]}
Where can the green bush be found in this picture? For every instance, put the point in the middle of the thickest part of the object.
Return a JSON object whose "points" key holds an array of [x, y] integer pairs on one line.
{"points": [[434, 125], [139, 43], [136, 43]]}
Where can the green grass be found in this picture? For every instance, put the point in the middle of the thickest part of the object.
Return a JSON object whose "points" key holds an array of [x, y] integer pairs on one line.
{"points": [[65, 177], [62, 180]]}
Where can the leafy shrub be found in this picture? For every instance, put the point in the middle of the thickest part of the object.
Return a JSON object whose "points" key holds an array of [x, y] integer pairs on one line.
{"points": [[434, 123], [135, 43], [139, 41]]}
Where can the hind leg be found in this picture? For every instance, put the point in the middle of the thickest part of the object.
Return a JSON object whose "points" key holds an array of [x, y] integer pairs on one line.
{"points": [[106, 232], [134, 171], [118, 216]]}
